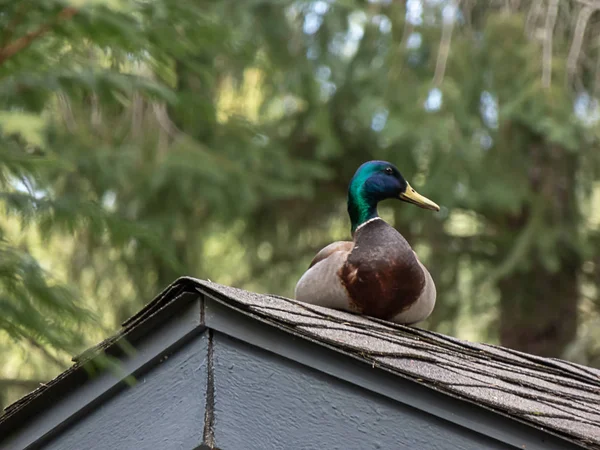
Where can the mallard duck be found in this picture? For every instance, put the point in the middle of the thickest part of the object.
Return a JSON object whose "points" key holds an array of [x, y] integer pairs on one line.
{"points": [[377, 273]]}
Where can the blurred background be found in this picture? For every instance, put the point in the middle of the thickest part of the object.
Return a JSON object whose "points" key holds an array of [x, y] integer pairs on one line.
{"points": [[145, 140]]}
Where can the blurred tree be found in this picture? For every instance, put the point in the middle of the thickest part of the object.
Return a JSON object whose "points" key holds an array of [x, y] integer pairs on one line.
{"points": [[146, 140]]}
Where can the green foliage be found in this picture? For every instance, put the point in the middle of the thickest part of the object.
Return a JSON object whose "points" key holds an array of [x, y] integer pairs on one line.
{"points": [[30, 301]]}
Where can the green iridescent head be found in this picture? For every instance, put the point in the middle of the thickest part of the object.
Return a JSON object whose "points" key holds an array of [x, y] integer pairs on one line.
{"points": [[375, 181]]}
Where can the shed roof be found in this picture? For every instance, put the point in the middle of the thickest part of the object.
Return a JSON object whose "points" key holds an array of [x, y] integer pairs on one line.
{"points": [[557, 396]]}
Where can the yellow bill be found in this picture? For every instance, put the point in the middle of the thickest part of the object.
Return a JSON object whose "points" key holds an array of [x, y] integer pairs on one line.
{"points": [[412, 196]]}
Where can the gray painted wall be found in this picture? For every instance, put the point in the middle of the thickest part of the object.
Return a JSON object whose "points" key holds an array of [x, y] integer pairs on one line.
{"points": [[266, 402], [257, 400], [164, 410]]}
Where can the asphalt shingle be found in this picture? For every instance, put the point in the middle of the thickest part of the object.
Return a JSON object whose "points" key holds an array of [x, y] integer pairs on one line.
{"points": [[546, 393]]}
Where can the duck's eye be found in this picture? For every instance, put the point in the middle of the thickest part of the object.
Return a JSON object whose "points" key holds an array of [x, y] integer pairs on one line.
{"points": [[389, 170]]}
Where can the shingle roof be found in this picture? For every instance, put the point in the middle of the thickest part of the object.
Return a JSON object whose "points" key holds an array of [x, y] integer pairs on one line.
{"points": [[550, 394]]}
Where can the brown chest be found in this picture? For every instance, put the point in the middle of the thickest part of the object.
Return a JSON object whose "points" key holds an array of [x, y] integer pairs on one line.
{"points": [[382, 275]]}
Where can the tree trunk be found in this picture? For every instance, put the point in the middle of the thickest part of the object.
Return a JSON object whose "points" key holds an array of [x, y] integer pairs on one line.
{"points": [[538, 308], [539, 299]]}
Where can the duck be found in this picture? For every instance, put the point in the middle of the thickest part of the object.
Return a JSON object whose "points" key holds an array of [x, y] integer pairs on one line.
{"points": [[377, 274]]}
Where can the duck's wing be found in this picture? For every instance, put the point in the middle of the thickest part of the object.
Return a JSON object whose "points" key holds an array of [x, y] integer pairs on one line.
{"points": [[325, 252], [423, 307], [321, 284]]}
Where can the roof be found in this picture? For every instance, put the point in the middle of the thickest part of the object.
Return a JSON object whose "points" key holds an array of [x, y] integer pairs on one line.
{"points": [[553, 395]]}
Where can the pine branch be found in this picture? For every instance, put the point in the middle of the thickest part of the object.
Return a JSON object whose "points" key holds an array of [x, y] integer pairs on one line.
{"points": [[519, 250], [57, 362], [11, 49], [15, 382]]}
